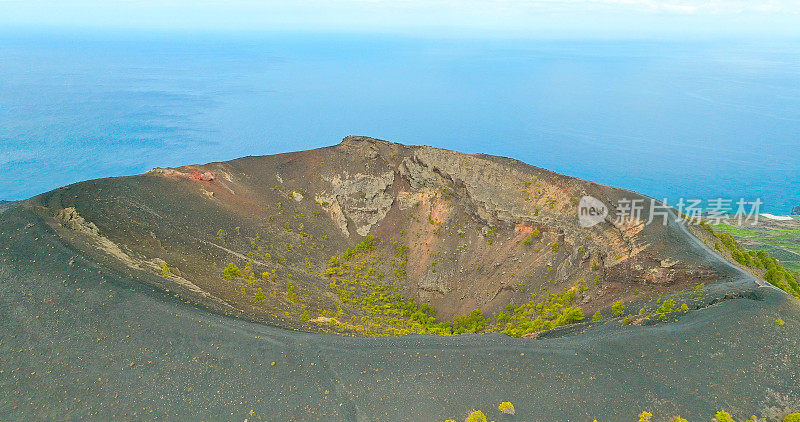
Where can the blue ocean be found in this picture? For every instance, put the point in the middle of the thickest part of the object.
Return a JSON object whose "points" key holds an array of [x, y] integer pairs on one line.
{"points": [[682, 118]]}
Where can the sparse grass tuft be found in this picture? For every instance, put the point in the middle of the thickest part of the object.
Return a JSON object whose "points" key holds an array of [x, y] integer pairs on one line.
{"points": [[291, 292], [259, 296], [165, 271]]}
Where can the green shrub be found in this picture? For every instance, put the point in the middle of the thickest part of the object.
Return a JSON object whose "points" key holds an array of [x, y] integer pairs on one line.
{"points": [[247, 273], [555, 246], [529, 239], [723, 416], [699, 290], [259, 296], [268, 275], [471, 323], [645, 416], [596, 317], [291, 292], [618, 309], [231, 271], [728, 241], [476, 416], [532, 317], [507, 408], [666, 307], [792, 417], [366, 245]]}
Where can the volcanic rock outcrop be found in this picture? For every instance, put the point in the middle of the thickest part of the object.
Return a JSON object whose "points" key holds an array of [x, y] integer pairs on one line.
{"points": [[359, 236]]}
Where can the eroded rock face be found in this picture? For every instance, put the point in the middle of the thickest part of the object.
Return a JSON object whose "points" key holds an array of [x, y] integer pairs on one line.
{"points": [[334, 210], [493, 204], [362, 199], [420, 174], [70, 218]]}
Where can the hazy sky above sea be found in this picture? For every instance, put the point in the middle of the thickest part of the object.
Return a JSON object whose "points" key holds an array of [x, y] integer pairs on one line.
{"points": [[670, 98], [557, 18]]}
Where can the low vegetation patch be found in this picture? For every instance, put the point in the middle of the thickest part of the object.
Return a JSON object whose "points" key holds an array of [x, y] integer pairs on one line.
{"points": [[773, 271], [368, 280], [538, 315], [359, 281], [370, 285]]}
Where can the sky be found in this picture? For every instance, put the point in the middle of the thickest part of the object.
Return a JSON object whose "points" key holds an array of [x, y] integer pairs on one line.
{"points": [[558, 18]]}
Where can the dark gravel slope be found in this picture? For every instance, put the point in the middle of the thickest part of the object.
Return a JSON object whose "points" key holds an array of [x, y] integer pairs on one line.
{"points": [[78, 340]]}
